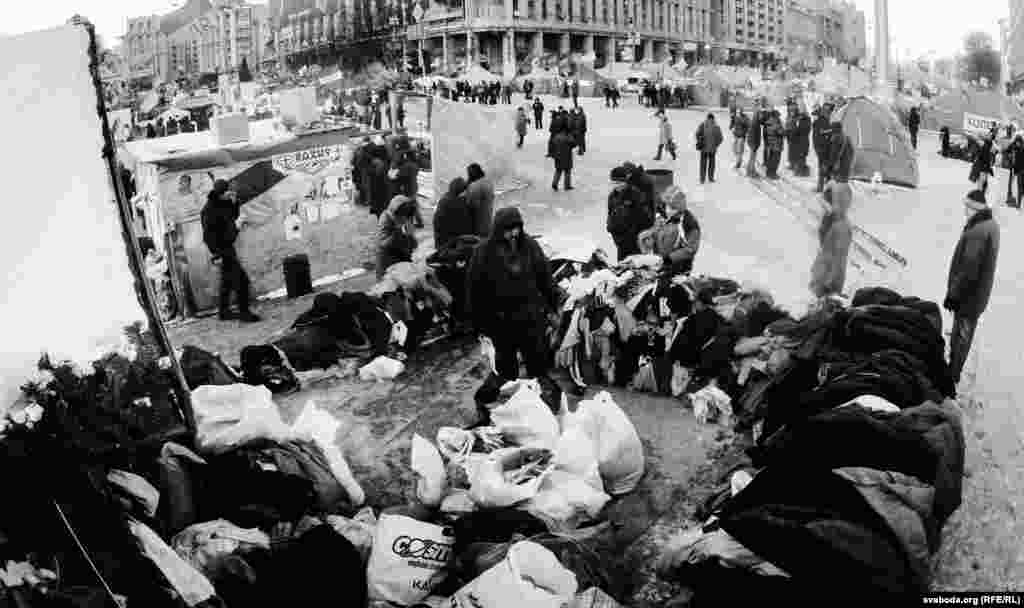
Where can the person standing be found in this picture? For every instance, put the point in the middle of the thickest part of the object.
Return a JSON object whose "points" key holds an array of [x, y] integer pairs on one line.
{"points": [[709, 138], [773, 144], [521, 122], [754, 142], [616, 95], [628, 216], [971, 275], [576, 93], [677, 241], [506, 92], [607, 95], [665, 140], [800, 143], [944, 141], [578, 129], [822, 144], [480, 199], [739, 126], [561, 152], [789, 132], [1017, 164], [511, 296], [528, 89], [221, 223], [981, 168], [538, 114], [913, 124], [453, 217]]}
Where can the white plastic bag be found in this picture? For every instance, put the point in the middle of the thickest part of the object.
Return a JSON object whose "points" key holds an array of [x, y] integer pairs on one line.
{"points": [[381, 368], [620, 454], [564, 501], [431, 477], [409, 558], [525, 419], [712, 403], [530, 575], [359, 530], [322, 428], [455, 444], [489, 486], [228, 416]]}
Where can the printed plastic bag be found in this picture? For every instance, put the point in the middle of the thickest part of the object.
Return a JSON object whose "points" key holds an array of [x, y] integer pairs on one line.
{"points": [[620, 454], [409, 558], [322, 428], [525, 419], [431, 477], [381, 368], [509, 477], [530, 575]]}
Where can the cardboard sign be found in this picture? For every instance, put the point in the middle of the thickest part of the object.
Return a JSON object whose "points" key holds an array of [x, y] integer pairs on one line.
{"points": [[310, 160], [978, 123]]}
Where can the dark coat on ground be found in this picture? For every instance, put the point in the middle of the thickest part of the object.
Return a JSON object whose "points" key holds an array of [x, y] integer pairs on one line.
{"points": [[505, 285], [453, 217], [973, 268], [561, 151]]}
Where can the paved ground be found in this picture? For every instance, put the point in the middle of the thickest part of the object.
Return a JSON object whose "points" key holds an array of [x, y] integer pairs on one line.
{"points": [[750, 233]]}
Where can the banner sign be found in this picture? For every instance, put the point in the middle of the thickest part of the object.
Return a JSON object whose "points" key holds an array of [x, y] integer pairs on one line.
{"points": [[977, 123], [311, 160]]}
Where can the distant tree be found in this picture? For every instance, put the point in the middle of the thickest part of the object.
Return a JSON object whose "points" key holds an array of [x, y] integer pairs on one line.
{"points": [[244, 75], [980, 60]]}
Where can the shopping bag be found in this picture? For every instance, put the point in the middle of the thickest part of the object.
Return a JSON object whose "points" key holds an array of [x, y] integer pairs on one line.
{"points": [[431, 477], [409, 558], [525, 419], [530, 575], [620, 453]]}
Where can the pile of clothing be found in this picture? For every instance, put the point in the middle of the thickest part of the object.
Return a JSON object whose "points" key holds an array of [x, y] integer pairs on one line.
{"points": [[406, 309], [857, 463]]}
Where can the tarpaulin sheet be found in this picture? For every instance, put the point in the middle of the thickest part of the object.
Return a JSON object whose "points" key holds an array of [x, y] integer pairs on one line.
{"points": [[68, 286]]}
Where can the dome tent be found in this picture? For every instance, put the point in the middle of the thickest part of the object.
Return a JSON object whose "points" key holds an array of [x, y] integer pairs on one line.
{"points": [[880, 143]]}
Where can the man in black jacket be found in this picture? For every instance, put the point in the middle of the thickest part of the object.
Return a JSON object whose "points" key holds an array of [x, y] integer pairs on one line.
{"points": [[510, 295], [913, 124], [822, 144], [578, 129], [221, 223]]}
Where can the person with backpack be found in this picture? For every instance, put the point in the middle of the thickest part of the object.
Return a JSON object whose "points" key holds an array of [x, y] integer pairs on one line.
{"points": [[1016, 150], [709, 138], [628, 216], [739, 126]]}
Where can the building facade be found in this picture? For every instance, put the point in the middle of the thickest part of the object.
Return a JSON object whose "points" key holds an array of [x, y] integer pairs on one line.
{"points": [[1013, 46], [755, 30], [855, 37], [802, 49]]}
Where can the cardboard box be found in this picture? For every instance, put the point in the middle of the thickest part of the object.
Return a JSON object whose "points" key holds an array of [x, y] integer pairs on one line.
{"points": [[231, 128]]}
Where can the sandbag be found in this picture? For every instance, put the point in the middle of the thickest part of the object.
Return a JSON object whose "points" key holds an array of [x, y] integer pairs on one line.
{"points": [[620, 454], [409, 558], [530, 575]]}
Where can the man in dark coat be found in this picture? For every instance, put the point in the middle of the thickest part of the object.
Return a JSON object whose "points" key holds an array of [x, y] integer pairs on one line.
{"points": [[709, 138], [1017, 164], [221, 224], [480, 199], [773, 144], [628, 215], [822, 144], [913, 124], [739, 125], [754, 141], [971, 275], [576, 93], [378, 186], [578, 128], [521, 123], [538, 114], [510, 294], [561, 152], [559, 122], [453, 217], [528, 89]]}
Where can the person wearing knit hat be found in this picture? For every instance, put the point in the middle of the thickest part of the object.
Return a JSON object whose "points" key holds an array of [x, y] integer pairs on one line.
{"points": [[627, 214], [678, 239], [971, 275]]}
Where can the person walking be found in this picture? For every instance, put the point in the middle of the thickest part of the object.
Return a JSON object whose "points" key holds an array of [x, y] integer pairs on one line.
{"points": [[561, 152], [538, 114], [576, 93], [480, 199], [607, 96], [528, 89], [511, 296], [578, 129], [773, 144], [971, 276], [506, 93], [559, 122], [709, 138], [521, 122], [739, 125], [221, 223], [665, 140], [913, 124], [754, 142]]}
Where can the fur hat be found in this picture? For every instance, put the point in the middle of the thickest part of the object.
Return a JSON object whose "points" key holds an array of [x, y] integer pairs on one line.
{"points": [[976, 200], [619, 174]]}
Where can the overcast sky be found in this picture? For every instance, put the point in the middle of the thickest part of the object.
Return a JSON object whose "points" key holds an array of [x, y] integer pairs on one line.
{"points": [[915, 25]]}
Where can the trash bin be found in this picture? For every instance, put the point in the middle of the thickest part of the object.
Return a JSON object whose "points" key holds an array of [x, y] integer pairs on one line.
{"points": [[297, 279], [663, 178]]}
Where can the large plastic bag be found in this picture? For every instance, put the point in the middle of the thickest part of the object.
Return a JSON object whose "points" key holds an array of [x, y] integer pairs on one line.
{"points": [[493, 480], [231, 415], [199, 544], [431, 477], [359, 530], [321, 427], [573, 492], [381, 368], [530, 575], [620, 454], [525, 419], [409, 558]]}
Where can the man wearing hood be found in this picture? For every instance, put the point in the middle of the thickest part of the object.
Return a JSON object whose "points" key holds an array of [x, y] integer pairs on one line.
{"points": [[221, 223], [971, 275], [396, 238], [510, 294], [480, 199], [453, 217]]}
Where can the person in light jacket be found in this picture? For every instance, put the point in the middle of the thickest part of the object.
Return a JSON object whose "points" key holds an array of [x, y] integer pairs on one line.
{"points": [[678, 239], [709, 138], [971, 275], [665, 140]]}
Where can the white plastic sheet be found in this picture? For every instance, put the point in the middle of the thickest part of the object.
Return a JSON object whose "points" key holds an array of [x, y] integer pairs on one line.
{"points": [[530, 575]]}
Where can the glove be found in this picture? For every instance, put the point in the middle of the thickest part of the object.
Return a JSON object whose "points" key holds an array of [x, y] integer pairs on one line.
{"points": [[950, 304]]}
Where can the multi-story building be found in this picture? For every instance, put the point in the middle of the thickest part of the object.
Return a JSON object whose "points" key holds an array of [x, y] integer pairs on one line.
{"points": [[819, 30], [855, 38], [1013, 47], [754, 30], [802, 48], [141, 47]]}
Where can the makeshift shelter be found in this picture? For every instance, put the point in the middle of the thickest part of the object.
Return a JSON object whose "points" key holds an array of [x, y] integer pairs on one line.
{"points": [[295, 191], [881, 143], [624, 72], [970, 110], [477, 75]]}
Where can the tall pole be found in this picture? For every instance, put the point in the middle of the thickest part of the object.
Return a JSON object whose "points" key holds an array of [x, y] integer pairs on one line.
{"points": [[882, 41]]}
